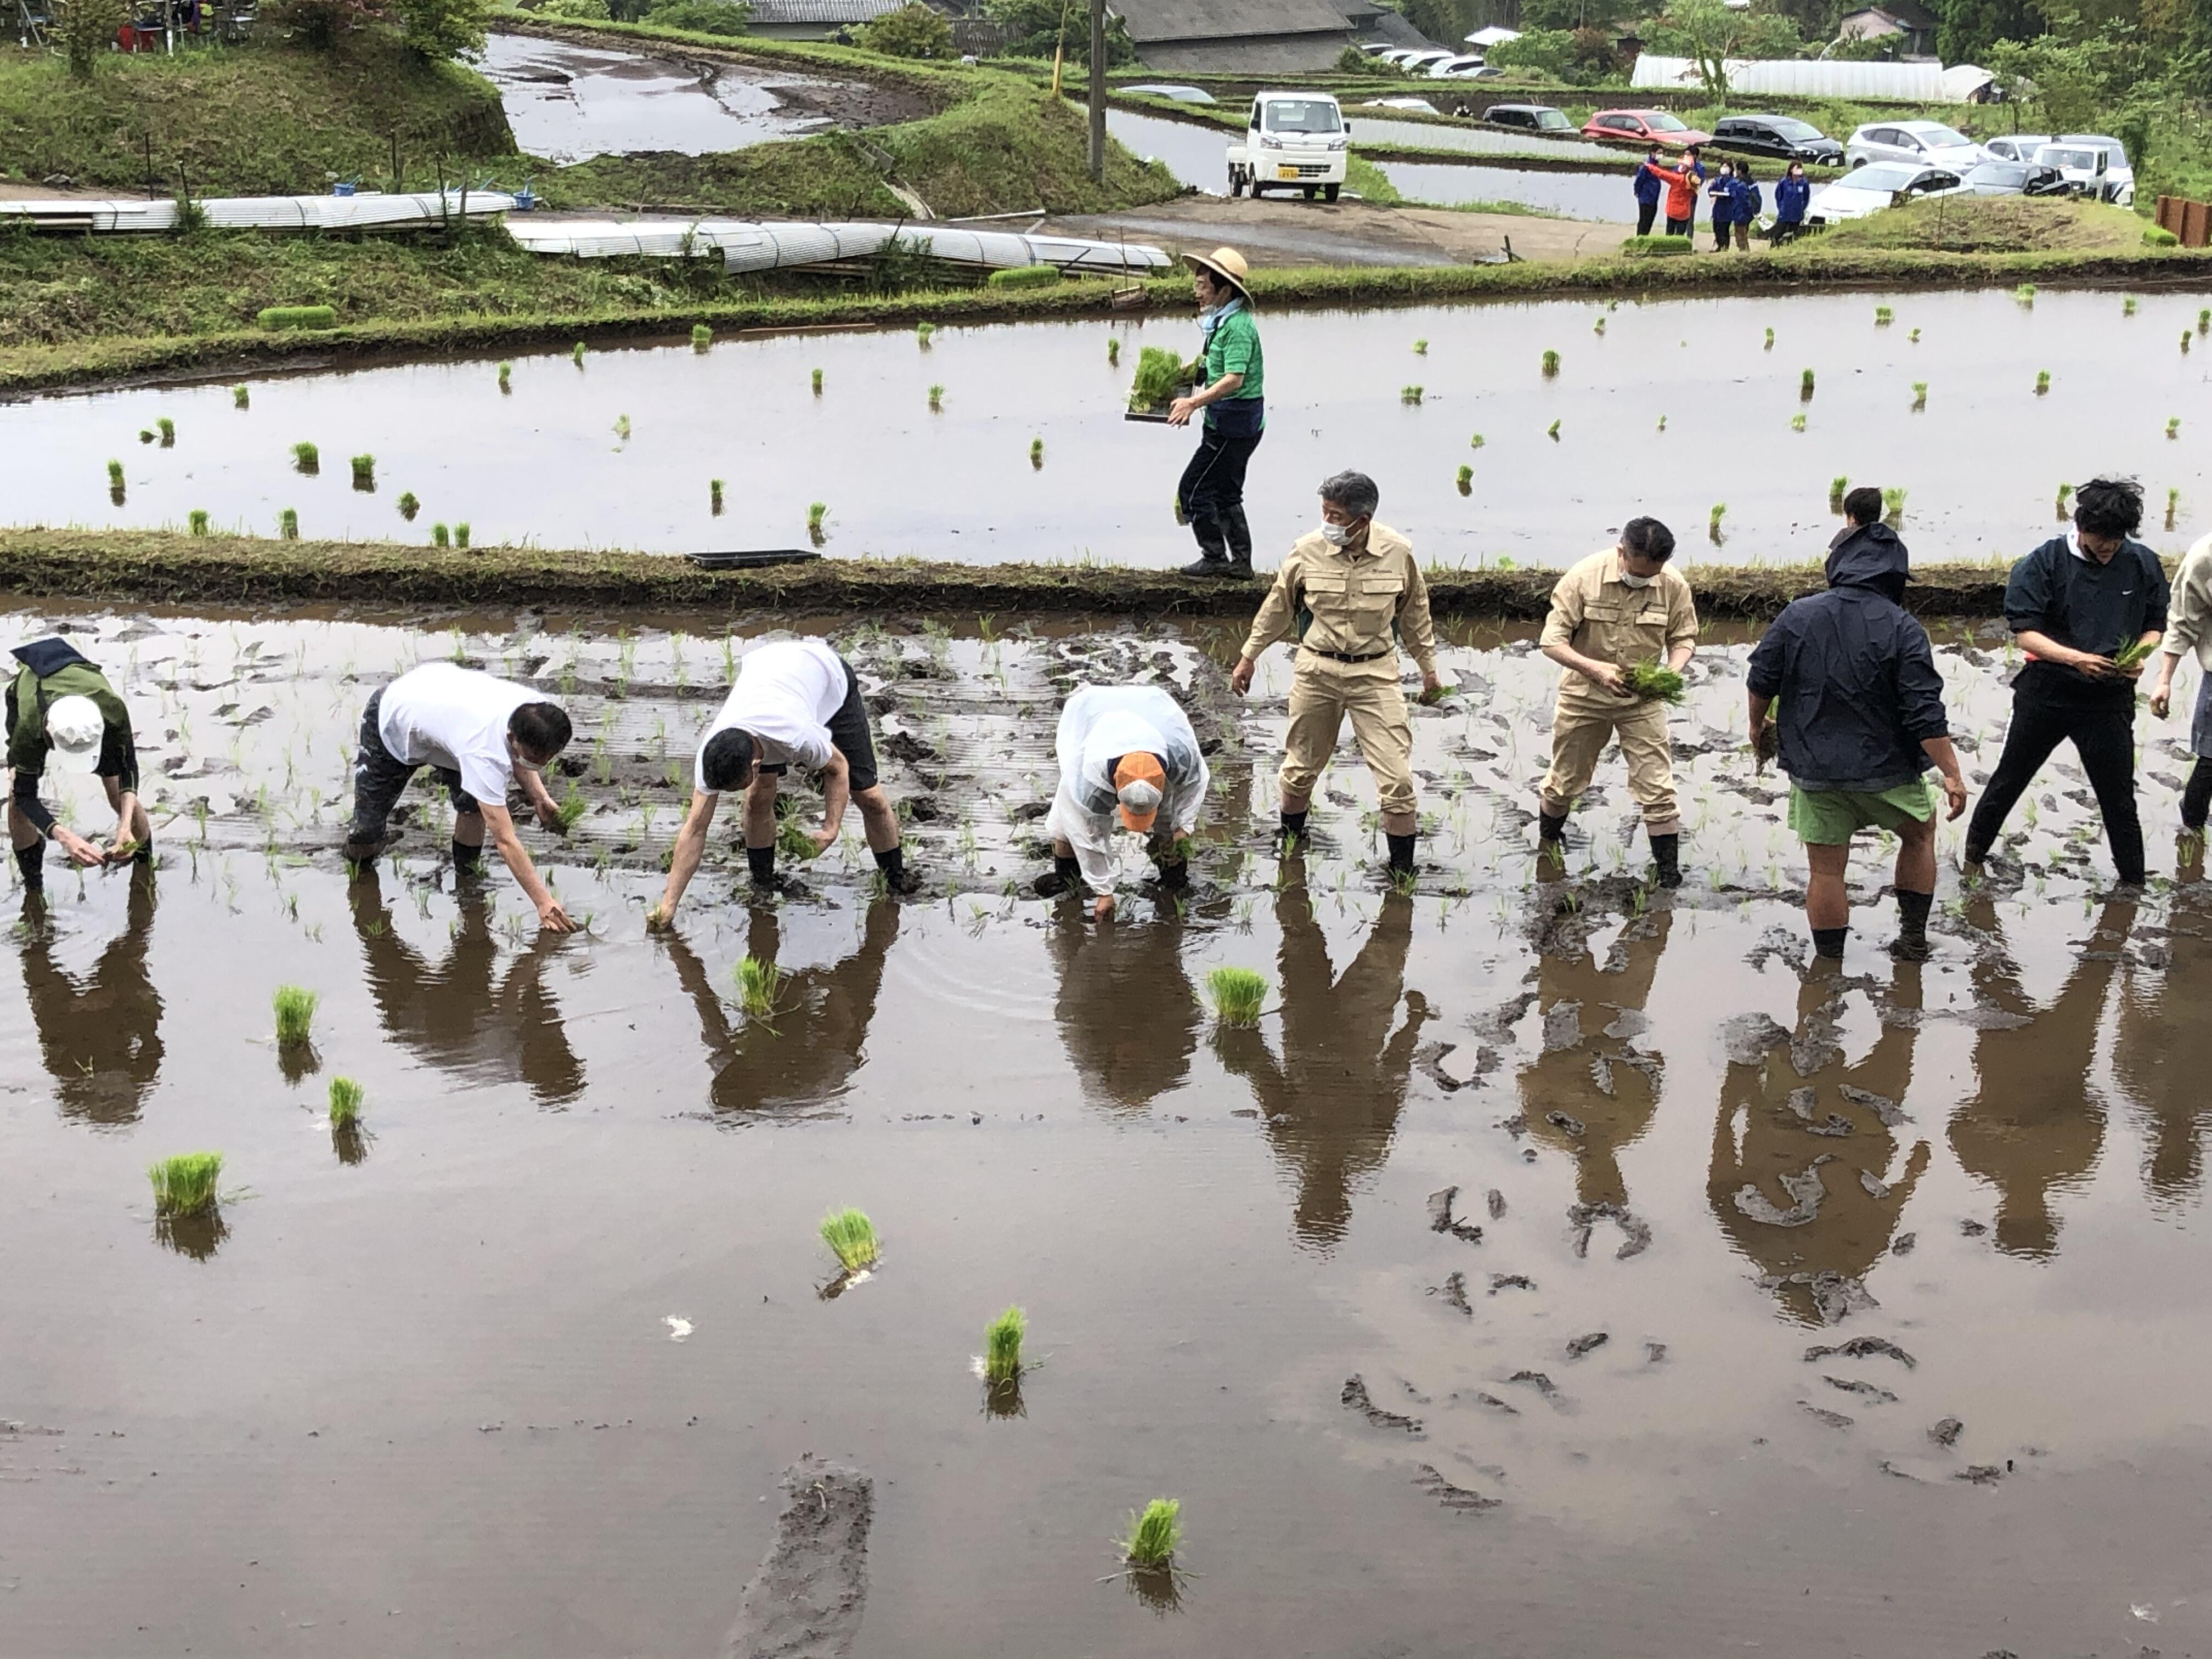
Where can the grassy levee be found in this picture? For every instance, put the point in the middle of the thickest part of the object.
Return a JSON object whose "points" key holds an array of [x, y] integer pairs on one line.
{"points": [[171, 307], [267, 118], [162, 567]]}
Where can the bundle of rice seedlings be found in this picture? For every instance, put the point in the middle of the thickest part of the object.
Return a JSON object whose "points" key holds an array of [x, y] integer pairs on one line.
{"points": [[1837, 487], [185, 1184], [759, 984], [1036, 452], [346, 1097], [851, 1237], [701, 337], [364, 472], [1769, 340], [196, 522], [2184, 342], [816, 511], [2134, 654], [1466, 480], [2127, 305], [409, 507], [1662, 423], [306, 458], [2025, 294], [506, 371], [1113, 352], [440, 536], [1551, 364], [1598, 327], [167, 428], [1796, 422], [1002, 1347], [2205, 321], [1892, 506], [1420, 347], [571, 806], [2065, 492], [461, 533], [792, 842], [714, 496], [1552, 431], [2173, 507], [1154, 1535], [576, 354], [1882, 316], [1805, 387], [145, 435], [922, 333], [2043, 379], [2173, 427], [622, 427], [1713, 520], [1913, 339], [115, 475], [937, 400], [1409, 394], [818, 382], [240, 397], [1160, 375], [295, 1012], [1476, 442], [288, 524], [1236, 995], [1920, 394], [1654, 682]]}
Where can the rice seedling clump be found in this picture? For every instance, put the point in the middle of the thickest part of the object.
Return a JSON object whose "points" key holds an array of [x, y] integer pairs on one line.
{"points": [[1159, 374], [851, 1237], [1653, 681], [1002, 1346], [2134, 654], [295, 1012], [306, 458], [1236, 995], [184, 1185], [1154, 1535], [758, 985], [346, 1095]]}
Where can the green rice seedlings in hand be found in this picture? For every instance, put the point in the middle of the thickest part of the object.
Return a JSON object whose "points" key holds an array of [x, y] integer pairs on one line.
{"points": [[701, 337], [295, 1012], [851, 1237], [1654, 682], [240, 397], [1160, 375], [1236, 995], [571, 806], [346, 1097], [184, 1185], [759, 984], [2134, 654], [1155, 1534], [306, 458], [793, 843], [1551, 364], [1002, 1347], [288, 524]]}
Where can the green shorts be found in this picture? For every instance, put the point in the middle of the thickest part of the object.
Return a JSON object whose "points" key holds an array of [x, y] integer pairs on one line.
{"points": [[1830, 817]]}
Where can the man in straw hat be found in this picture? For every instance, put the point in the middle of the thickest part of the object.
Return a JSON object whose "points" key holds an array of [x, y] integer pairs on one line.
{"points": [[1127, 749], [61, 712], [1349, 592], [1211, 493]]}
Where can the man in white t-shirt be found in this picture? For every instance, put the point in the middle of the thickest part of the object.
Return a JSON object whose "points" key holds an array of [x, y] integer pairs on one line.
{"points": [[796, 702], [1130, 750], [480, 735]]}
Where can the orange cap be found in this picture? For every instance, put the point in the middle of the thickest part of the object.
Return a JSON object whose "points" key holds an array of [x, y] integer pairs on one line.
{"points": [[1145, 770]]}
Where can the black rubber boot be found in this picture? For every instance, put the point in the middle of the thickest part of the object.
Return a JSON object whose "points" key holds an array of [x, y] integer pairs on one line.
{"points": [[1208, 565], [897, 877], [1829, 942], [1292, 832], [467, 861], [2197, 797], [1667, 853], [31, 862], [761, 861], [1175, 874], [1065, 874], [1910, 944], [1551, 843], [1401, 853]]}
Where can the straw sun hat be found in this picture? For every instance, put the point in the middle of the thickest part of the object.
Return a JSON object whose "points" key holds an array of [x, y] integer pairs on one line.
{"points": [[1225, 263]]}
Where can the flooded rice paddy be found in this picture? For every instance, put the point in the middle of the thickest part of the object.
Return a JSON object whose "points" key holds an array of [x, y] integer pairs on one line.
{"points": [[1670, 407], [1820, 1315]]}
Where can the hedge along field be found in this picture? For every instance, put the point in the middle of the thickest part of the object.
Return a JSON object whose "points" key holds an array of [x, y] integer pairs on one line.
{"points": [[1672, 408]]}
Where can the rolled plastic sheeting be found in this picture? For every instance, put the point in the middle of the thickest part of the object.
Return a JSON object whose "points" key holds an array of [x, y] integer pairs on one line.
{"points": [[746, 245], [373, 211]]}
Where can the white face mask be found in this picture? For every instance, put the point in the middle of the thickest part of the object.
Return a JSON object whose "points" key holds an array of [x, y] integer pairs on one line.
{"points": [[1336, 535], [1635, 581]]}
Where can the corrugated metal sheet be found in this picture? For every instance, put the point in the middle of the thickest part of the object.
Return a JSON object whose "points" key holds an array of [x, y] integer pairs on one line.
{"points": [[746, 245], [359, 212], [1806, 77], [776, 12], [1224, 19]]}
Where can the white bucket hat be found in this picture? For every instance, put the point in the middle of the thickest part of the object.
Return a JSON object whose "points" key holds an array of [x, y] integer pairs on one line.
{"points": [[73, 729]]}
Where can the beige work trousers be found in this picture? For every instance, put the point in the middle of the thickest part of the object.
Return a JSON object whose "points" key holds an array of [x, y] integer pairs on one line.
{"points": [[1579, 736], [1323, 693]]}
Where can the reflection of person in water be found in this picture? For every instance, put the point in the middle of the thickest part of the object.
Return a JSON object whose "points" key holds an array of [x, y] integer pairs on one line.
{"points": [[101, 1036], [453, 1015], [1605, 1085], [1331, 1100], [803, 1055], [2163, 1054], [1816, 1147], [1126, 1009], [2034, 1124]]}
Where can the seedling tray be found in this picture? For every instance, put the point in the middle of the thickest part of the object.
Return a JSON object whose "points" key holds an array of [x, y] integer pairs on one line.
{"points": [[1155, 416], [752, 559]]}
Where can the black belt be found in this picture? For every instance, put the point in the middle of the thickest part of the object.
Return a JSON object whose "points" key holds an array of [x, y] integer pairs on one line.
{"points": [[1346, 656]]}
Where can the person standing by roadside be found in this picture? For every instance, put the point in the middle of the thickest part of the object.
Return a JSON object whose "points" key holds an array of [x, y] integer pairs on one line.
{"points": [[61, 711], [1746, 204], [1791, 195], [794, 701], [2073, 605], [1230, 370], [2189, 629], [482, 735], [1862, 719], [1620, 606], [1350, 593], [1647, 190]]}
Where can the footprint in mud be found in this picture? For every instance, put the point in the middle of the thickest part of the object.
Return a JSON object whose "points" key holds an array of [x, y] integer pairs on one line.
{"points": [[1587, 1343], [1867, 1391], [806, 1601], [1458, 1499], [1454, 1292], [1582, 1218], [1542, 1383], [1510, 1282], [1355, 1396], [1833, 1420], [1440, 1218], [1947, 1432], [1864, 1347]]}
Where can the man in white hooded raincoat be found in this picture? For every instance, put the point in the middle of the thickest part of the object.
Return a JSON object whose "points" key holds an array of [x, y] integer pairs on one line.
{"points": [[1125, 751]]}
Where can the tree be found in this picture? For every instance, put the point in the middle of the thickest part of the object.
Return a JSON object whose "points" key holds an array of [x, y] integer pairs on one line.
{"points": [[86, 26], [1035, 26], [1709, 33], [1967, 29], [912, 31], [443, 28]]}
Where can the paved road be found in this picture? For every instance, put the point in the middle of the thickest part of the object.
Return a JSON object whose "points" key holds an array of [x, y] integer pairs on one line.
{"points": [[1273, 231]]}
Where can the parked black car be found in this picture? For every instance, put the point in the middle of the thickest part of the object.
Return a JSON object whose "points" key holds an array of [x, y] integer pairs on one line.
{"points": [[1530, 117], [1782, 136]]}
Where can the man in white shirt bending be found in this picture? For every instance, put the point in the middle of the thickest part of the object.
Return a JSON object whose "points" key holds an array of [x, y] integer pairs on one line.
{"points": [[480, 735], [1130, 750], [796, 702]]}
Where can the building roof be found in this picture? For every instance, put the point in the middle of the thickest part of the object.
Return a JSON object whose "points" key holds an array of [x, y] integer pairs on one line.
{"points": [[774, 12], [1259, 56], [1907, 14], [1164, 20]]}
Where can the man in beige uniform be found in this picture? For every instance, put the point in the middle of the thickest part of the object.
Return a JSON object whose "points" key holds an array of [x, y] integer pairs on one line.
{"points": [[1615, 609], [1349, 590]]}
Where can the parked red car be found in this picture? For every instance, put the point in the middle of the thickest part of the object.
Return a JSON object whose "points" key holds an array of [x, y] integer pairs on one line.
{"points": [[1644, 126]]}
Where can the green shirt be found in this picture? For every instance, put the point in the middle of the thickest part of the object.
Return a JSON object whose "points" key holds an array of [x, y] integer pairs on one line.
{"points": [[28, 698], [1234, 349]]}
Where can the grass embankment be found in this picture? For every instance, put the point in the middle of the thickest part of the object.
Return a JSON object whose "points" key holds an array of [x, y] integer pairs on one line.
{"points": [[267, 118], [162, 305], [149, 567], [1995, 224]]}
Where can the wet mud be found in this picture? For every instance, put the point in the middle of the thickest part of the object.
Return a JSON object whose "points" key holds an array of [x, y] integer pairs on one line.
{"points": [[564, 1275]]}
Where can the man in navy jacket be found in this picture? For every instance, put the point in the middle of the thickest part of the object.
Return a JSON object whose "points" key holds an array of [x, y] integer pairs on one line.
{"points": [[1791, 193], [1647, 191], [1862, 719], [2074, 604]]}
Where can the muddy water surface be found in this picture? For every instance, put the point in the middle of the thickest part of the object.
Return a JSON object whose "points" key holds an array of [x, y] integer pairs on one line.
{"points": [[1884, 1264], [1670, 408]]}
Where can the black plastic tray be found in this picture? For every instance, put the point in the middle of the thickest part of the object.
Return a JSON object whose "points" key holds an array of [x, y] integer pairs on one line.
{"points": [[1149, 416], [752, 559]]}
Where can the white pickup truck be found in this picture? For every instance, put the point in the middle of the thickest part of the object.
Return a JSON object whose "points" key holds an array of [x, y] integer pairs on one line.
{"points": [[1294, 140]]}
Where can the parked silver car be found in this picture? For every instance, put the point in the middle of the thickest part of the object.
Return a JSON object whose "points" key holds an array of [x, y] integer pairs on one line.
{"points": [[2018, 146], [1920, 143]]}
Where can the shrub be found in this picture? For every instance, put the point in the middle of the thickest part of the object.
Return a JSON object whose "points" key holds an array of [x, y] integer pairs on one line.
{"points": [[1654, 248], [912, 31], [580, 12], [1026, 276], [442, 29], [283, 316], [723, 17]]}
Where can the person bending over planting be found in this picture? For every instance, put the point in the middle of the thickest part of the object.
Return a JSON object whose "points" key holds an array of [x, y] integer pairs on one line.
{"points": [[1623, 625], [1212, 491], [1862, 719], [61, 712], [794, 701], [1350, 592], [482, 735], [2087, 607], [1129, 748], [2190, 630]]}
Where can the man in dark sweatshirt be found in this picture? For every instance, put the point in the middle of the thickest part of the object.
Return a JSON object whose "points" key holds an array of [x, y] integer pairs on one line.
{"points": [[1647, 191], [1861, 720], [2074, 604]]}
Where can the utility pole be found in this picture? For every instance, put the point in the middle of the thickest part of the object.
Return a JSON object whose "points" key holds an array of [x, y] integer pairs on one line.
{"points": [[1097, 90]]}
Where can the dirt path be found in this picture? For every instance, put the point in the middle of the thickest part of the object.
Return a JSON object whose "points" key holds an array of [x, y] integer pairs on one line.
{"points": [[1277, 233]]}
